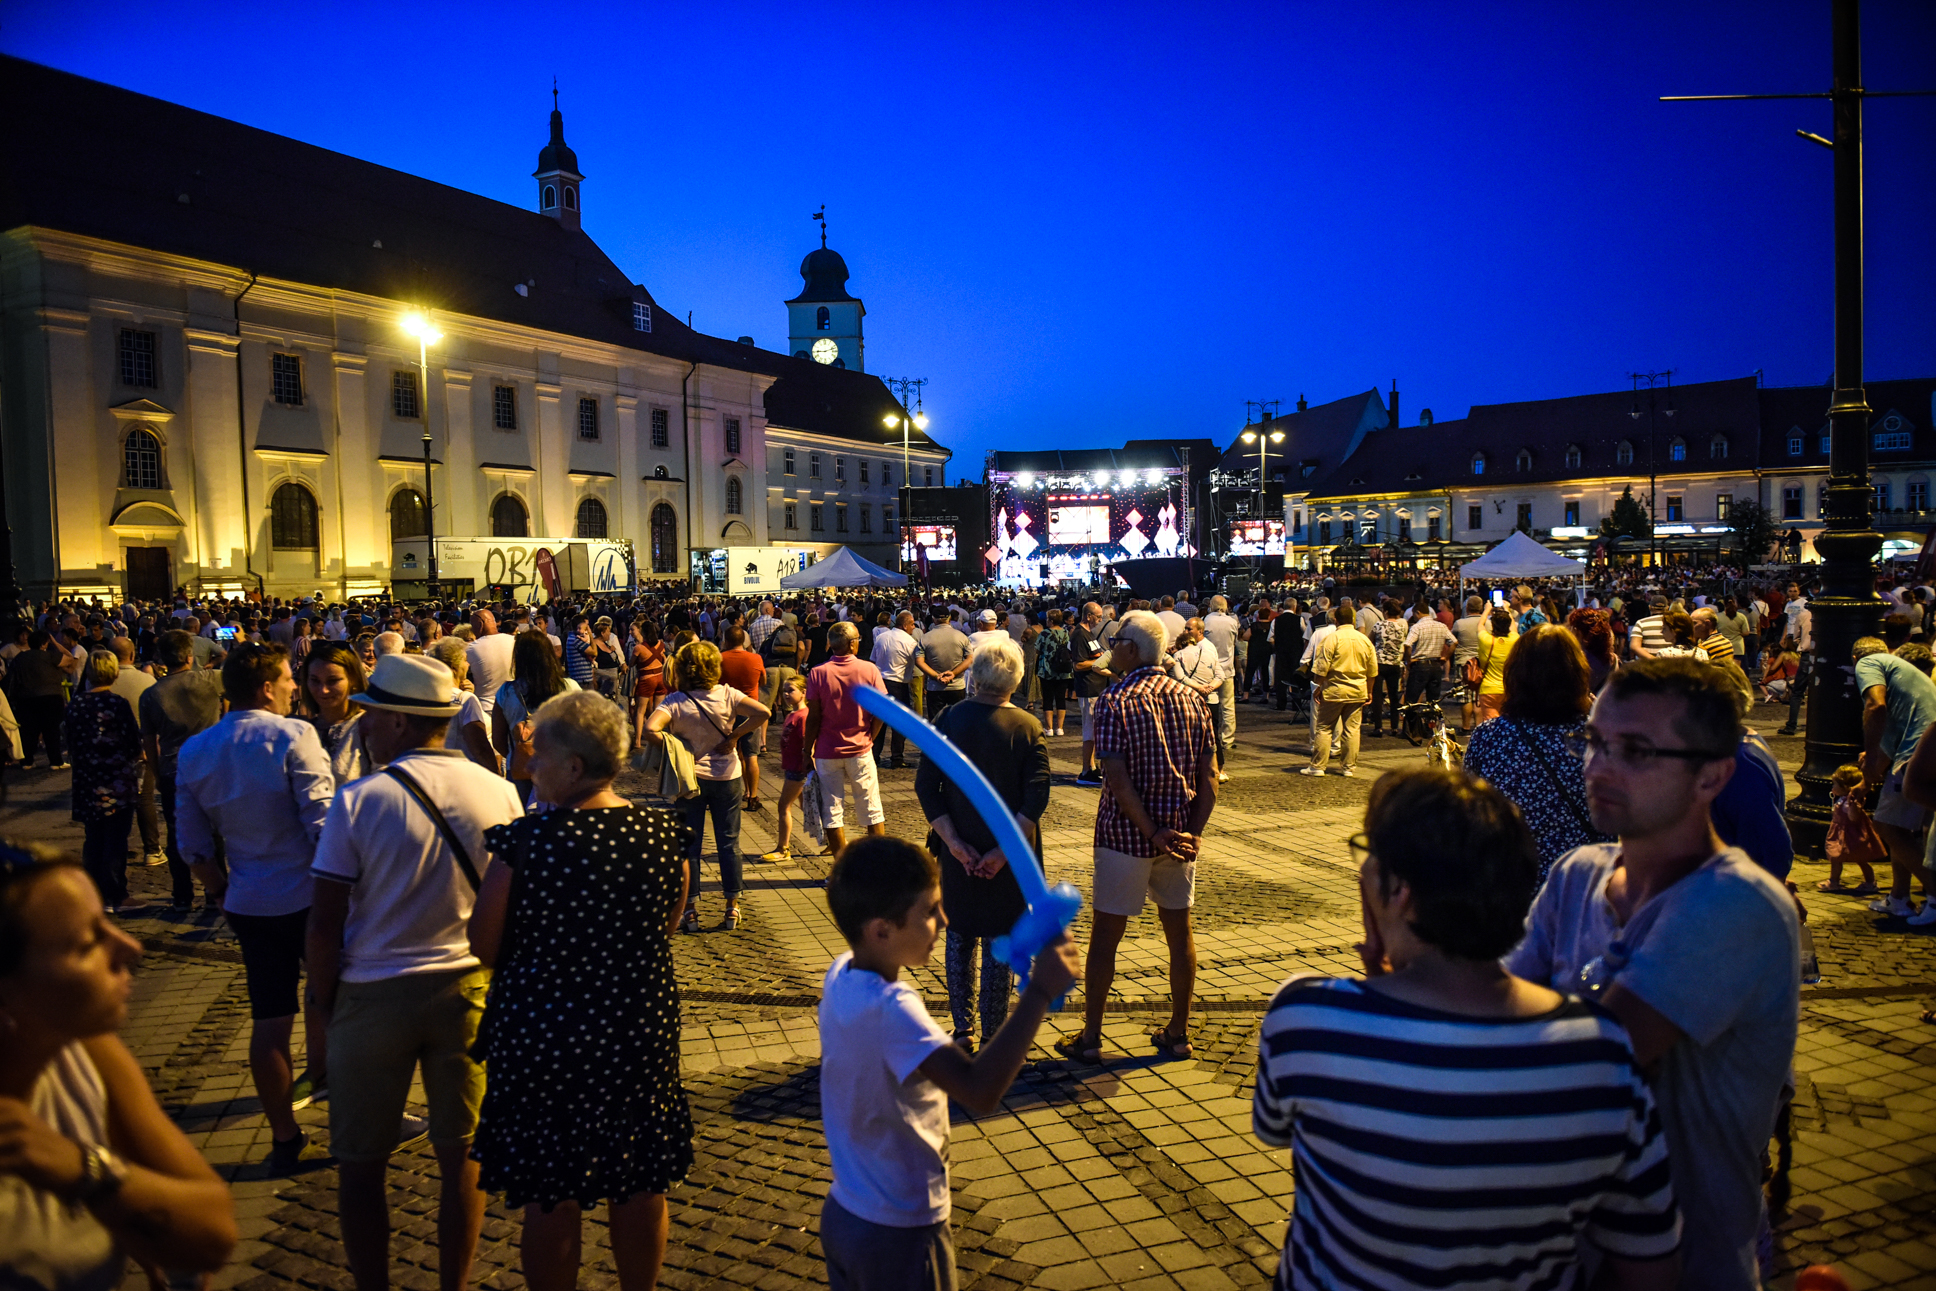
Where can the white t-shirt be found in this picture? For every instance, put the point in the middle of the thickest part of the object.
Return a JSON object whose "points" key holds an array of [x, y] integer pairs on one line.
{"points": [[410, 904], [470, 710], [490, 660], [886, 1124]]}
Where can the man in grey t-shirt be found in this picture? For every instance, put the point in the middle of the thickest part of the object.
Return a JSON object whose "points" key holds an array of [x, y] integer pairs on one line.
{"points": [[1696, 948], [943, 659]]}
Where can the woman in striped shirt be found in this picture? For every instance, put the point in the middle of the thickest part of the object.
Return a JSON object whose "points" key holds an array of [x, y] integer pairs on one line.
{"points": [[1453, 1126]]}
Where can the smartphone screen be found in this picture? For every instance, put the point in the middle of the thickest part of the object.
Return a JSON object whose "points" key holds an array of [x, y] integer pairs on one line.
{"points": [[1498, 597], [225, 634]]}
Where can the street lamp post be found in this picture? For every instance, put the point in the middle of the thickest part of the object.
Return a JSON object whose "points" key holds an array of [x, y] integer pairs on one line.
{"points": [[1653, 475], [908, 422], [418, 325], [1263, 439]]}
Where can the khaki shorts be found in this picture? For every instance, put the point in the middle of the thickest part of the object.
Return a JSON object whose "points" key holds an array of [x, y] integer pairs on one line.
{"points": [[379, 1034], [1894, 809], [1122, 881]]}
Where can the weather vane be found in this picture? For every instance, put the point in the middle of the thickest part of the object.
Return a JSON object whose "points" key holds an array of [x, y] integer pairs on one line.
{"points": [[821, 215], [554, 94]]}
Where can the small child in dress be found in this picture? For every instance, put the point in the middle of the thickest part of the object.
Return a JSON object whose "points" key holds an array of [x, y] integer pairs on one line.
{"points": [[887, 1071], [1852, 836], [795, 765]]}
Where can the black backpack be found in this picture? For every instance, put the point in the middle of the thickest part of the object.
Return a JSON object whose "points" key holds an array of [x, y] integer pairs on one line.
{"points": [[1061, 661], [783, 638]]}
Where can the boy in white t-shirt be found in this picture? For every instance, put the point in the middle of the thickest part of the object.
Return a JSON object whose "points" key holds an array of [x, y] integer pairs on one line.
{"points": [[887, 1071]]}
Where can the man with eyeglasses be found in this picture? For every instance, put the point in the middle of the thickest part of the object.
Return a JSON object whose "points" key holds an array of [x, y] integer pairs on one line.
{"points": [[1694, 947]]}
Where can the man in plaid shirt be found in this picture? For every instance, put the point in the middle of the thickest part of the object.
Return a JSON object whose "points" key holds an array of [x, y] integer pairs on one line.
{"points": [[761, 628], [1157, 747]]}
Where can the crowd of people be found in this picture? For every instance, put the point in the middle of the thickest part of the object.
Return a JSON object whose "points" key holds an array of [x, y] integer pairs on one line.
{"points": [[406, 816]]}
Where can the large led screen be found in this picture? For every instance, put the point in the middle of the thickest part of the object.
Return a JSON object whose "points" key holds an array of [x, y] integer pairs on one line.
{"points": [[1256, 537], [1076, 526], [938, 539]]}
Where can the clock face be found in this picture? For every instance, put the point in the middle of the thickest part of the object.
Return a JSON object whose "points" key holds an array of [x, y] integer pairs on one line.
{"points": [[825, 350]]}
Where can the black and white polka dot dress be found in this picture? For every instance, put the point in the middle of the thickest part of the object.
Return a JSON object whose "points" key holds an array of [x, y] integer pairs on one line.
{"points": [[582, 1100]]}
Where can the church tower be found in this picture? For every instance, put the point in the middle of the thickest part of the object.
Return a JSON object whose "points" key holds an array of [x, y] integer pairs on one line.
{"points": [[557, 173], [823, 321]]}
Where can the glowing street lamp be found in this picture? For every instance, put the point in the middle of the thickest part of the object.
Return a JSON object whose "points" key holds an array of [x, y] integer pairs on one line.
{"points": [[418, 325]]}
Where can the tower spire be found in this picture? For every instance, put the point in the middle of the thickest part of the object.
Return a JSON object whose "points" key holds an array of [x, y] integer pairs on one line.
{"points": [[557, 174], [821, 215]]}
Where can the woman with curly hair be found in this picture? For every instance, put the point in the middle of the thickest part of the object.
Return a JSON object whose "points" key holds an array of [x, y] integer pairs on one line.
{"points": [[1593, 629]]}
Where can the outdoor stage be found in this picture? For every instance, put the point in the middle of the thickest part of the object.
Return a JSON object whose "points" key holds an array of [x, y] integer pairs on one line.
{"points": [[1052, 527]]}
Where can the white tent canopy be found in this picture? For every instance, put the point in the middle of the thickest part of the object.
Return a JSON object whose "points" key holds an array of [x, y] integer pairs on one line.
{"points": [[843, 569], [1519, 556]]}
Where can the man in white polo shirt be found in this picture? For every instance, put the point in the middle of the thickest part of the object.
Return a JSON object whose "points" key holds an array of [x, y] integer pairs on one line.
{"points": [[397, 871]]}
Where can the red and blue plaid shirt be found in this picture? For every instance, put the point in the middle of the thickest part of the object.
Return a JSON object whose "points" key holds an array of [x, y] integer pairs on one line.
{"points": [[1161, 730]]}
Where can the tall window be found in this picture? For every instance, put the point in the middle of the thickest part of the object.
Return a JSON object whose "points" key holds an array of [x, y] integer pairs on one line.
{"points": [[1324, 531], [840, 470], [732, 496], [403, 395], [1624, 453], [1791, 502], [792, 516], [1432, 529], [661, 432], [509, 518], [1882, 495], [786, 461], [588, 419], [732, 436], [1475, 517], [840, 519], [591, 518], [1572, 514], [1918, 499], [142, 457], [138, 358], [292, 518], [1821, 501], [1404, 528], [866, 519], [1524, 522], [285, 379], [641, 316], [550, 196], [887, 519], [927, 476], [1677, 451], [813, 517], [886, 478], [824, 320], [1478, 463], [1723, 503], [665, 539], [504, 407], [407, 515], [1673, 509], [863, 470], [813, 465]]}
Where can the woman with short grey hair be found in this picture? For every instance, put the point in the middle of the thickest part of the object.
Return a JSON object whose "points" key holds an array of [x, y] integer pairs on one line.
{"points": [[581, 1031], [978, 889]]}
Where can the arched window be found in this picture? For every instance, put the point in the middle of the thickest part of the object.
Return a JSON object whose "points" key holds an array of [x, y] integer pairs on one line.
{"points": [[571, 198], [1677, 450], [1478, 463], [142, 453], [824, 319], [1717, 448], [661, 473], [407, 515], [665, 539], [508, 517], [1572, 457], [1523, 462], [1624, 453], [550, 197], [292, 518], [591, 518], [732, 496]]}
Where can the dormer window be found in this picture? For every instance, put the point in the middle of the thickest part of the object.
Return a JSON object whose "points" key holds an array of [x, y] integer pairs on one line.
{"points": [[550, 196], [1523, 462], [1478, 463], [1717, 448], [641, 316], [1624, 453], [1677, 450], [1572, 457]]}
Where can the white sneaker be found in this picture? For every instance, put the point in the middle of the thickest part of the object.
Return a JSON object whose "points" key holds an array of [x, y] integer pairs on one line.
{"points": [[1900, 907], [1348, 774], [1309, 771], [1926, 918]]}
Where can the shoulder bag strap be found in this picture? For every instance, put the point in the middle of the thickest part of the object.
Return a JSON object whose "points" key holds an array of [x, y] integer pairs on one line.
{"points": [[1585, 821], [415, 790]]}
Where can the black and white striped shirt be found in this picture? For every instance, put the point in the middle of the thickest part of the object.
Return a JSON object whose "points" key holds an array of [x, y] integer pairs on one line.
{"points": [[1435, 1150]]}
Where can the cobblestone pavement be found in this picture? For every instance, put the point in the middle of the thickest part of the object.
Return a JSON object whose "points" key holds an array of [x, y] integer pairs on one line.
{"points": [[1141, 1173]]}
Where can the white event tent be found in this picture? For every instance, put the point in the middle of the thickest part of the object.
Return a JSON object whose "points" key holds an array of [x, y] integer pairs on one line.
{"points": [[1519, 556]]}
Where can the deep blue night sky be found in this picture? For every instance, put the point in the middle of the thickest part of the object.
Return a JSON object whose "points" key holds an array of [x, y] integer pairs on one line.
{"points": [[1099, 222]]}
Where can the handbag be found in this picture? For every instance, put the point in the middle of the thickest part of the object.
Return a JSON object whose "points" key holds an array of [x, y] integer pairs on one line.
{"points": [[1579, 814], [1475, 672]]}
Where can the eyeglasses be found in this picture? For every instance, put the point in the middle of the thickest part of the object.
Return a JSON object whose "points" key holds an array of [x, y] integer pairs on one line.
{"points": [[1360, 847], [1630, 752]]}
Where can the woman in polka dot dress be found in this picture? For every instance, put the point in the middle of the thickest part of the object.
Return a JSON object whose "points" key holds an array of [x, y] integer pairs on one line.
{"points": [[582, 1101]]}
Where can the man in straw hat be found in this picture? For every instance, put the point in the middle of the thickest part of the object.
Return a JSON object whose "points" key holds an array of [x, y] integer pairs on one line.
{"points": [[390, 963]]}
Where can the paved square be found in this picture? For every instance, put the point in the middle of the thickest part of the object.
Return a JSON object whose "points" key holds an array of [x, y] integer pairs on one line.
{"points": [[1141, 1173]]}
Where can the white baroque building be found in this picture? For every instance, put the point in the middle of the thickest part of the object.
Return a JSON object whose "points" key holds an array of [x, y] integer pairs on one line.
{"points": [[207, 378]]}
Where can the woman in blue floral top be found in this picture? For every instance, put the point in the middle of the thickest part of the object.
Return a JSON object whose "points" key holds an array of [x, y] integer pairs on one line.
{"points": [[1522, 753], [1055, 667], [104, 745]]}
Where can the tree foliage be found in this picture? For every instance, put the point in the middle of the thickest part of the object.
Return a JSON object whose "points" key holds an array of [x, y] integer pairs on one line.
{"points": [[1627, 519], [1755, 530]]}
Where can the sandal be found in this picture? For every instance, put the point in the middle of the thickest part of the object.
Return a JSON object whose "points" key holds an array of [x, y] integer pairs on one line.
{"points": [[754, 804], [779, 857], [731, 921], [1077, 1048], [1864, 890], [1929, 1014], [1826, 886], [1173, 1046], [690, 923]]}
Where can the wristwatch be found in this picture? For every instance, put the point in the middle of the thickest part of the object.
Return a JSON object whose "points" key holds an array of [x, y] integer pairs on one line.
{"points": [[102, 1174]]}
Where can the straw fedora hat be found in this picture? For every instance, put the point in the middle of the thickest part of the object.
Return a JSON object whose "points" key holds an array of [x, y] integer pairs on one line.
{"points": [[410, 683]]}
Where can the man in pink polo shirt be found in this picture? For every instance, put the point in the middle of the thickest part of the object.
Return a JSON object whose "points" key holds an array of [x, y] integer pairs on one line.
{"points": [[842, 736]]}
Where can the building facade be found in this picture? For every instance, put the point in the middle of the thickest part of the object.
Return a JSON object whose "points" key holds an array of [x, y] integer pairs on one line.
{"points": [[209, 375]]}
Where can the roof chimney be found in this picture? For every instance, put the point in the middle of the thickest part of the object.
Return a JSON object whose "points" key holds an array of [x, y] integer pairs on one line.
{"points": [[1301, 405], [1394, 404]]}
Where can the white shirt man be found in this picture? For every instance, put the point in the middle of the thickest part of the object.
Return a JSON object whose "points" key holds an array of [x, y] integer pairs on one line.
{"points": [[489, 657]]}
